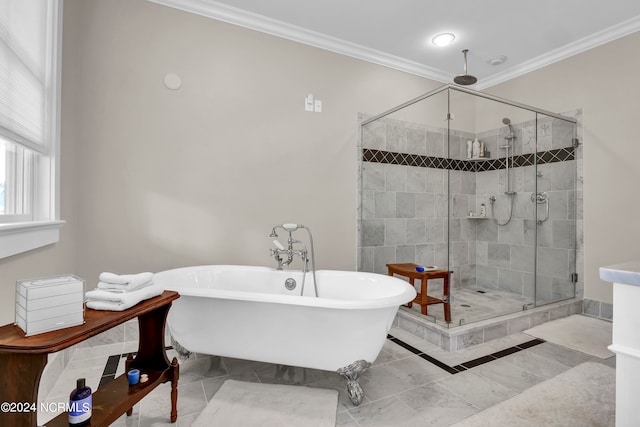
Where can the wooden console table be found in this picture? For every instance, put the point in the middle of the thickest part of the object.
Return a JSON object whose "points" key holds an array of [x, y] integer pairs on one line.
{"points": [[22, 360], [409, 270]]}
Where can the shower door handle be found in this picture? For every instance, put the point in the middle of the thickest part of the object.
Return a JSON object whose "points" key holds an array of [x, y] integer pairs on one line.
{"points": [[538, 199]]}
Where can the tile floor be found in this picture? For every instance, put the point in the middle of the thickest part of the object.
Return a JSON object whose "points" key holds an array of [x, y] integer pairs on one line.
{"points": [[473, 304], [402, 388]]}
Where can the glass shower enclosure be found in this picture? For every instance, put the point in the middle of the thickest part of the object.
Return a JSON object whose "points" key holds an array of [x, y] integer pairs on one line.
{"points": [[478, 185]]}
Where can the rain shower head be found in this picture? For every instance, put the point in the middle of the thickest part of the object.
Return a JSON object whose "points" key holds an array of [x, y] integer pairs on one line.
{"points": [[465, 79], [506, 121]]}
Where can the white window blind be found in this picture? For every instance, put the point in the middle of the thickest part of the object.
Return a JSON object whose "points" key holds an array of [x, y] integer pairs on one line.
{"points": [[24, 35]]}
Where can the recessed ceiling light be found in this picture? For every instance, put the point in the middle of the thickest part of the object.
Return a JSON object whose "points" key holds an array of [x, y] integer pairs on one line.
{"points": [[443, 39], [497, 60]]}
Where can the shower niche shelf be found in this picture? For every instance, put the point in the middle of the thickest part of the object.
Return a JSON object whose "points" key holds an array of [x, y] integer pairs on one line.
{"points": [[477, 217], [478, 159]]}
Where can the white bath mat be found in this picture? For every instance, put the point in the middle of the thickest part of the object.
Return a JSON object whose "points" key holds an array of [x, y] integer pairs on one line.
{"points": [[245, 404], [577, 332], [582, 396]]}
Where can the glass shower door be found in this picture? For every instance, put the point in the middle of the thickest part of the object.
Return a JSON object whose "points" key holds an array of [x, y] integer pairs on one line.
{"points": [[492, 239], [554, 201]]}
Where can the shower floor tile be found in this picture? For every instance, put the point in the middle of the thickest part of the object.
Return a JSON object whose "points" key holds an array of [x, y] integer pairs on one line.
{"points": [[474, 304]]}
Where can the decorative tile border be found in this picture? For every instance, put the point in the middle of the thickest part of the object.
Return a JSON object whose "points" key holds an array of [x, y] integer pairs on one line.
{"points": [[471, 363], [404, 159]]}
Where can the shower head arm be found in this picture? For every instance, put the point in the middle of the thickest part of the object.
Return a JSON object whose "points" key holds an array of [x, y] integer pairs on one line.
{"points": [[465, 60], [466, 78]]}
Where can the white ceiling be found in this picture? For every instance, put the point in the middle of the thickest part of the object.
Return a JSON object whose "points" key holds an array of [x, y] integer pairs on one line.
{"points": [[531, 34]]}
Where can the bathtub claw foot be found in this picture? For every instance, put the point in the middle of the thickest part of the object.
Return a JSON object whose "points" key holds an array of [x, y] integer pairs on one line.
{"points": [[183, 353], [351, 374]]}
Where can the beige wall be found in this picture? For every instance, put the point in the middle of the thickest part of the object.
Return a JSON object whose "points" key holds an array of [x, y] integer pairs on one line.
{"points": [[154, 179], [201, 174], [601, 82]]}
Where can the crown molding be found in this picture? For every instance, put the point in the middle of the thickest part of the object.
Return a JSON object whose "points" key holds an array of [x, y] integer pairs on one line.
{"points": [[232, 15], [586, 43], [235, 16]]}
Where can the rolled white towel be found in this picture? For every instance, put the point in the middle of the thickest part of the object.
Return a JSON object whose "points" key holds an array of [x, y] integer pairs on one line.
{"points": [[126, 279], [115, 287], [104, 300]]}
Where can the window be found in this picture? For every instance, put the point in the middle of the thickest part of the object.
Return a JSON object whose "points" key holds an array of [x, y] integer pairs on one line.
{"points": [[30, 37], [16, 178]]}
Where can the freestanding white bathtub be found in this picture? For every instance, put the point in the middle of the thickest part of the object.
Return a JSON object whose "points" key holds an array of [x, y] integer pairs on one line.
{"points": [[246, 312]]}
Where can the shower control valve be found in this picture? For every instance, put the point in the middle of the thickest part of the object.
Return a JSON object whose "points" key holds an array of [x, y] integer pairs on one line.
{"points": [[539, 197]]}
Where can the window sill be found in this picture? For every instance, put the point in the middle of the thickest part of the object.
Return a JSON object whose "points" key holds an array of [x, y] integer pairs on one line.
{"points": [[20, 237]]}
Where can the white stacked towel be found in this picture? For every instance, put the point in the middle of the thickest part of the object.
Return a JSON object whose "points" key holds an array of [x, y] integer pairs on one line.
{"points": [[124, 282], [120, 292], [118, 301]]}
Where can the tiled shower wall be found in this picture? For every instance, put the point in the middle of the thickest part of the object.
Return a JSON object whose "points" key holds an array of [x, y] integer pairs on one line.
{"points": [[404, 208], [407, 174], [505, 254]]}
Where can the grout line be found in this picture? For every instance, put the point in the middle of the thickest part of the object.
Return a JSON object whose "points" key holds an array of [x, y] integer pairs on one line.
{"points": [[471, 363]]}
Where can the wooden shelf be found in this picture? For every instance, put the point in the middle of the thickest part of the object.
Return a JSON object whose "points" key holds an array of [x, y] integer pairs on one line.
{"points": [[113, 399], [22, 360]]}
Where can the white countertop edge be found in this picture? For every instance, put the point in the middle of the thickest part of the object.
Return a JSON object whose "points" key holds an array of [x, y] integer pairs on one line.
{"points": [[627, 273]]}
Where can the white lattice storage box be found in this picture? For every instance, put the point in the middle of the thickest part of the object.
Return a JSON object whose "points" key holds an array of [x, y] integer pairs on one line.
{"points": [[49, 303]]}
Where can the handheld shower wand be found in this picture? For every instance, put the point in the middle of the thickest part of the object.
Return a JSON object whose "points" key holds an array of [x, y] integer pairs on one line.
{"points": [[510, 135], [509, 138]]}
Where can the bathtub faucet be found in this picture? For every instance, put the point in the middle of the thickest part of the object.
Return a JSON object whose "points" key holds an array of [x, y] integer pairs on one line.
{"points": [[290, 252]]}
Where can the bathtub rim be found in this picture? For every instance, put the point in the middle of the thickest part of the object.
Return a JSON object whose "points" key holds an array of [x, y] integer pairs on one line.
{"points": [[405, 292]]}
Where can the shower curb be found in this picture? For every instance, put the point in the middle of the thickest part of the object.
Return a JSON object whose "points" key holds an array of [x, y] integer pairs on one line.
{"points": [[466, 336]]}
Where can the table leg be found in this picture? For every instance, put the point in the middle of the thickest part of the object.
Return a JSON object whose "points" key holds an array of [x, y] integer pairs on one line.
{"points": [[19, 385], [174, 389], [410, 303], [151, 353], [423, 296]]}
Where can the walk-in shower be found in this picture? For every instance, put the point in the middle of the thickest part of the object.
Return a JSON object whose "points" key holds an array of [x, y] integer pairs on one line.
{"points": [[503, 222]]}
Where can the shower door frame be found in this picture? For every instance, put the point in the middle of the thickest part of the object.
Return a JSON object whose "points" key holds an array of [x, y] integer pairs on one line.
{"points": [[470, 92]]}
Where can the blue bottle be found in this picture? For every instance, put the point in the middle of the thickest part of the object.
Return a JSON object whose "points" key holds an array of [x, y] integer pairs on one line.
{"points": [[80, 405]]}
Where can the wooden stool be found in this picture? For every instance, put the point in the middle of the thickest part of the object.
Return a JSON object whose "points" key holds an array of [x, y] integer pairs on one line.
{"points": [[409, 270]]}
